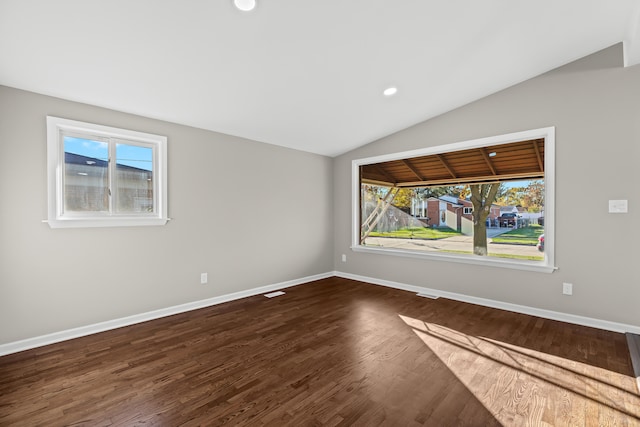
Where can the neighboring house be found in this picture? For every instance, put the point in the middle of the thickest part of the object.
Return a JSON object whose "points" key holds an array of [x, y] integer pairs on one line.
{"points": [[87, 186], [450, 211], [508, 209]]}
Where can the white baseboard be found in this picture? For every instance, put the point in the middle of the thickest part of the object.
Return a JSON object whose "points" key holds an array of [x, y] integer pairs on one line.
{"points": [[547, 314], [55, 337]]}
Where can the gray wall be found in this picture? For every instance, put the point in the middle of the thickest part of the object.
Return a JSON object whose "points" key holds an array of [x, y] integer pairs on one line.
{"points": [[249, 214], [53, 280], [594, 103]]}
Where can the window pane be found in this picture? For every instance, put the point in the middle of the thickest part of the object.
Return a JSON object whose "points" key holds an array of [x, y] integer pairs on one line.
{"points": [[86, 176], [441, 219], [134, 178], [484, 200]]}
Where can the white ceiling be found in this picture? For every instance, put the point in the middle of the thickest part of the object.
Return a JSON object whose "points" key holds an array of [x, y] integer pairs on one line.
{"points": [[299, 73]]}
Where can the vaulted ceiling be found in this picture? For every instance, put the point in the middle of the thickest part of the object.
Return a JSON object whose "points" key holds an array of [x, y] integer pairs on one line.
{"points": [[299, 73]]}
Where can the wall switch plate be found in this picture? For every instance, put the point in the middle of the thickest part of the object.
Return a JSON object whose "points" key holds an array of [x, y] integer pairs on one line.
{"points": [[204, 278], [618, 206], [344, 258], [567, 289]]}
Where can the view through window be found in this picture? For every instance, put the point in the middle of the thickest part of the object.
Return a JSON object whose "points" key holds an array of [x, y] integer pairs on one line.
{"points": [[440, 219], [486, 199], [87, 182]]}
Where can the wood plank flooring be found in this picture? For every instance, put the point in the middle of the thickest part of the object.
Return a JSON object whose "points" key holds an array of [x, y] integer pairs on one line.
{"points": [[334, 352]]}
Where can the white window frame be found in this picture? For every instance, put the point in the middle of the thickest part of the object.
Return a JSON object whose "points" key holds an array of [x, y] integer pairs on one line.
{"points": [[467, 210], [546, 266], [57, 128]]}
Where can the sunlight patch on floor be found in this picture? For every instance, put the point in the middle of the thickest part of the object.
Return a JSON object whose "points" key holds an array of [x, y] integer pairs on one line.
{"points": [[520, 386]]}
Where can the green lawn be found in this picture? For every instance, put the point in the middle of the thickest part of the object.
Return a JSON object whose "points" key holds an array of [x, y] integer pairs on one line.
{"points": [[521, 236], [418, 233]]}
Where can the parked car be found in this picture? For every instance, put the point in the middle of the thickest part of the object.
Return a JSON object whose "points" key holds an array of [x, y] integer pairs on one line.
{"points": [[540, 244], [508, 219]]}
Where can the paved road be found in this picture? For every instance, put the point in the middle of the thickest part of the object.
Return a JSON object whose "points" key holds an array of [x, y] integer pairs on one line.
{"points": [[457, 243]]}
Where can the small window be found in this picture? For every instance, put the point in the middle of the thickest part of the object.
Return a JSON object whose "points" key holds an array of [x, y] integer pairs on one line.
{"points": [[101, 176], [468, 211]]}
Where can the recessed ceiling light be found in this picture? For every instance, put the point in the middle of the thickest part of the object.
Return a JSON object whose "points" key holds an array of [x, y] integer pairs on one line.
{"points": [[492, 154], [390, 91], [245, 5]]}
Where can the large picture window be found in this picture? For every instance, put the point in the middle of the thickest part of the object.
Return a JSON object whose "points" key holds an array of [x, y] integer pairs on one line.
{"points": [[101, 176], [488, 201]]}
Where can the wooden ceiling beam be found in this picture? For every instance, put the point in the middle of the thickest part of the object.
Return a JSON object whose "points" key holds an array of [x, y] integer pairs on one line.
{"points": [[376, 182], [538, 155], [472, 180], [446, 165], [488, 161], [413, 170]]}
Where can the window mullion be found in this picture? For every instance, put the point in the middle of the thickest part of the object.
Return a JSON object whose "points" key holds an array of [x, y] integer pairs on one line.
{"points": [[111, 170], [60, 172]]}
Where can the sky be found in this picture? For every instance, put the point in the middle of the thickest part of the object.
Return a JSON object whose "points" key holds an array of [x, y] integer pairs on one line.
{"points": [[129, 155], [524, 183], [512, 184]]}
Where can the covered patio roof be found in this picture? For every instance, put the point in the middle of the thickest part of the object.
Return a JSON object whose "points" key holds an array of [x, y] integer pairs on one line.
{"points": [[504, 162]]}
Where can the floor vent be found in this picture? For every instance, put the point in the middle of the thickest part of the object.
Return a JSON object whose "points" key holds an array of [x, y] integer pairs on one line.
{"points": [[274, 294], [428, 296]]}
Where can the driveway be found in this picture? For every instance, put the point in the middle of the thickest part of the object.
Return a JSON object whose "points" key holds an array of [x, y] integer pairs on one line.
{"points": [[458, 243]]}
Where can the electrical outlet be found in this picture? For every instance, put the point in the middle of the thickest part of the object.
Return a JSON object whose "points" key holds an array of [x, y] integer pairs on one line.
{"points": [[344, 258], [203, 278], [567, 289]]}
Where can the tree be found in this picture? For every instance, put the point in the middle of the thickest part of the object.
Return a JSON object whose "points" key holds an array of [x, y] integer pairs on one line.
{"points": [[533, 197], [403, 198], [426, 192], [482, 197], [530, 196], [511, 196], [371, 192]]}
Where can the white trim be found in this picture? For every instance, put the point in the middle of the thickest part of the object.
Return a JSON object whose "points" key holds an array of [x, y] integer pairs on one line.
{"points": [[464, 145], [486, 261], [547, 266], [29, 343], [532, 311]]}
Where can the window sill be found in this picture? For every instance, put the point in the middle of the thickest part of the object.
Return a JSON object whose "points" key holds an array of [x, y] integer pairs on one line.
{"points": [[105, 222], [541, 267]]}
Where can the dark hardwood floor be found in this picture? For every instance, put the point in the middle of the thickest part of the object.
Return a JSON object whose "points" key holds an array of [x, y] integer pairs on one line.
{"points": [[333, 352]]}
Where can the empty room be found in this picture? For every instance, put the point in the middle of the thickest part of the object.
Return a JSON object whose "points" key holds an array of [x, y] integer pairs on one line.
{"points": [[268, 212]]}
